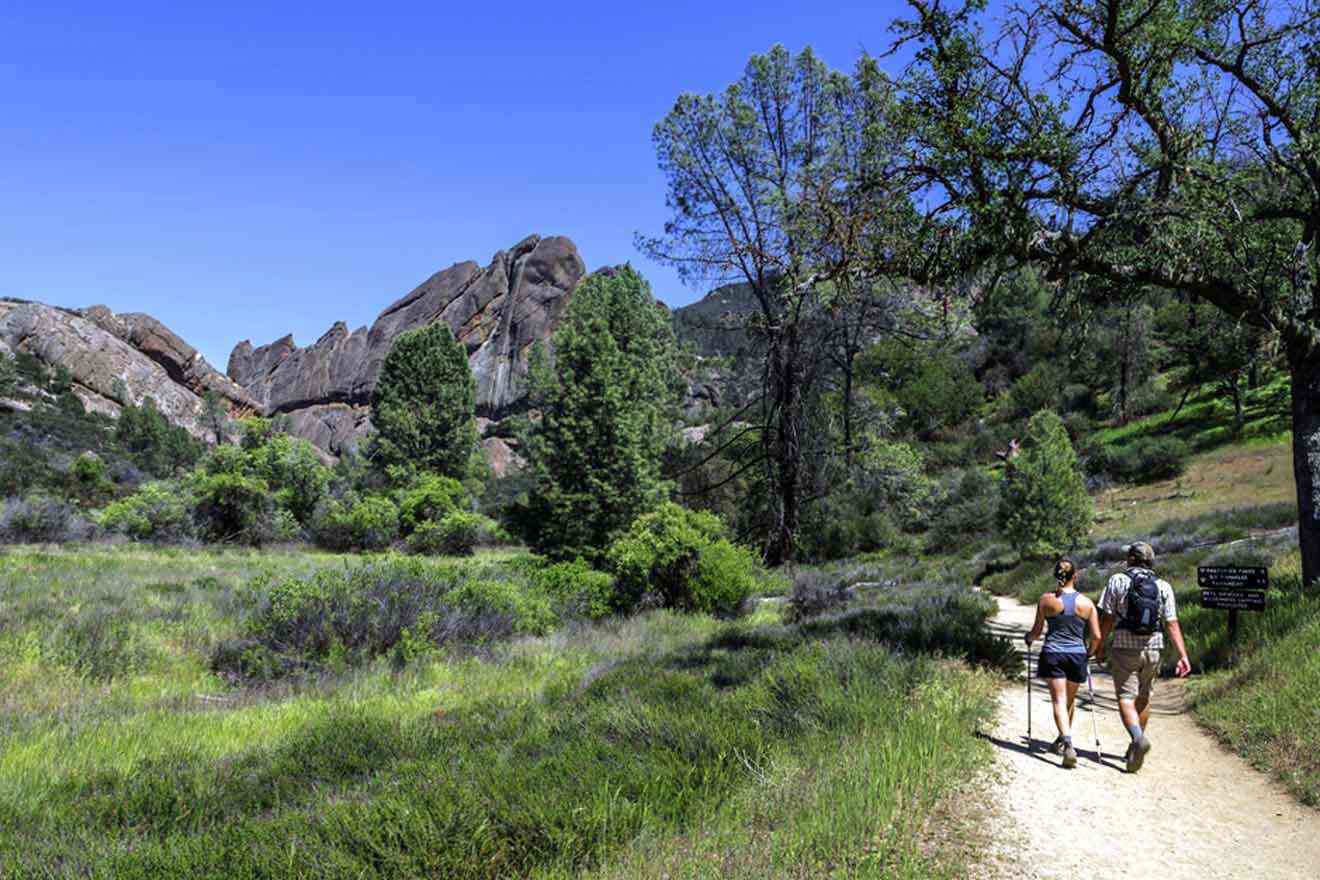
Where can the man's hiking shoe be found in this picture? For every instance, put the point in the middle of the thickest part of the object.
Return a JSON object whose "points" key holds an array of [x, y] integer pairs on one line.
{"points": [[1069, 757], [1057, 746], [1136, 754]]}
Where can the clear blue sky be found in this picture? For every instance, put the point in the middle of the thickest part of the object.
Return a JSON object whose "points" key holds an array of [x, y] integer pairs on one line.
{"points": [[248, 170]]}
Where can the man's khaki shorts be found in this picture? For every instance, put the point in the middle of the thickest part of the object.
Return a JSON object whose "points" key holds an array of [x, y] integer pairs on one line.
{"points": [[1134, 672]]}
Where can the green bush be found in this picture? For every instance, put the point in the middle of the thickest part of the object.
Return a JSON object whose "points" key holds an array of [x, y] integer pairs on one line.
{"points": [[233, 507], [1147, 460], [290, 467], [156, 445], [90, 478], [458, 533], [8, 375], [430, 498], [580, 589], [530, 611], [1040, 389], [1044, 507], [682, 558], [395, 606], [157, 511], [369, 522]]}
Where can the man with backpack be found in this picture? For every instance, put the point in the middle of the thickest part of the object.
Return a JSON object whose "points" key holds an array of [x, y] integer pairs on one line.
{"points": [[1137, 607]]}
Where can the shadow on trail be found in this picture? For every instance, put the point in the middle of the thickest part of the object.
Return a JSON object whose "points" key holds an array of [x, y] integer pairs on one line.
{"points": [[1040, 750]]}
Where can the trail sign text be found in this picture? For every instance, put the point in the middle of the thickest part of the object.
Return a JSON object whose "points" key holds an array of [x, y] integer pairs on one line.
{"points": [[1233, 587]]}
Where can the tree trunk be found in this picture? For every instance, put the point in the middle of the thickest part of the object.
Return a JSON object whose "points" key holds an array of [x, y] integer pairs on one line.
{"points": [[1306, 457], [849, 357], [1239, 417], [788, 451], [1123, 370]]}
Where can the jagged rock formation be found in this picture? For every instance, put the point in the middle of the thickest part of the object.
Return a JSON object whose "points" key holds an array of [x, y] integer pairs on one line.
{"points": [[498, 312], [119, 360]]}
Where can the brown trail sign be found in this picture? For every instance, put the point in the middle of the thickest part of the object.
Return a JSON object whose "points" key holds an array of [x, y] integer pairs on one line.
{"points": [[1233, 588]]}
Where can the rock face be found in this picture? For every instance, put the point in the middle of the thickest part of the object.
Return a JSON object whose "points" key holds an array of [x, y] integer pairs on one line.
{"points": [[497, 312], [120, 360]]}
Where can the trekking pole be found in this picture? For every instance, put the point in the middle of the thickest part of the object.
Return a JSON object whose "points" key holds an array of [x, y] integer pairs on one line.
{"points": [[1095, 725], [1029, 740]]}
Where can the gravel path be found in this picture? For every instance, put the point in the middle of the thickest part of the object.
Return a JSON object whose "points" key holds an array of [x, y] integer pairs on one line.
{"points": [[1194, 811]]}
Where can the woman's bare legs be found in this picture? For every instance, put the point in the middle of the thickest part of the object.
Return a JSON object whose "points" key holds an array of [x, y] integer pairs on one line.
{"points": [[1062, 695]]}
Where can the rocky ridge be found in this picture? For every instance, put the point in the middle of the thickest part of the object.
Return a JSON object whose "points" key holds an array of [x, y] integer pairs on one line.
{"points": [[120, 360], [498, 312]]}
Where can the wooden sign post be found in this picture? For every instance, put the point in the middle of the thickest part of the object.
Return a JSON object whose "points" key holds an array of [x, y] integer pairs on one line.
{"points": [[1233, 588]]}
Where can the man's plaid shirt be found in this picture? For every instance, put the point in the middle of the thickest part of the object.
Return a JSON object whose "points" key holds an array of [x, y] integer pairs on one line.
{"points": [[1113, 601]]}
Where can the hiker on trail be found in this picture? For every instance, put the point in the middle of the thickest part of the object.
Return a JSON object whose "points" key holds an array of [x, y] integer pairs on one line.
{"points": [[1136, 606], [1070, 618]]}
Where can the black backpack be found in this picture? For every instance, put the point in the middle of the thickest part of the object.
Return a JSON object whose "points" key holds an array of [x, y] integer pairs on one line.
{"points": [[1141, 612]]}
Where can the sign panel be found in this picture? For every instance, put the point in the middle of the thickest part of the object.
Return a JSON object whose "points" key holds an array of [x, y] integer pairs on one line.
{"points": [[1233, 587], [1239, 577], [1233, 600]]}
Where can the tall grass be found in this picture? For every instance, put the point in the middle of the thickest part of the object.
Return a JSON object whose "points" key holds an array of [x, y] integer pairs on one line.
{"points": [[607, 748]]}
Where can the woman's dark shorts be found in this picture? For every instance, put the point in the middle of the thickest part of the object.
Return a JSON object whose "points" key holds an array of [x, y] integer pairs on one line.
{"points": [[1069, 666]]}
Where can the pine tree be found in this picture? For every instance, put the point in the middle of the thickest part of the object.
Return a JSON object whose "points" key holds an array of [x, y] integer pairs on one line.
{"points": [[606, 408], [424, 404], [1045, 509]]}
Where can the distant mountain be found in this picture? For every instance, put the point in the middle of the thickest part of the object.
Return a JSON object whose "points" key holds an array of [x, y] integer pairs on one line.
{"points": [[712, 324]]}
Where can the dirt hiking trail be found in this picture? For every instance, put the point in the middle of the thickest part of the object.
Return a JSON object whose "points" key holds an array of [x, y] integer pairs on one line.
{"points": [[1194, 811]]}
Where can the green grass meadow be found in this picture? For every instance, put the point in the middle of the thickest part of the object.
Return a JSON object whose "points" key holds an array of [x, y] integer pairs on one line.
{"points": [[660, 744]]}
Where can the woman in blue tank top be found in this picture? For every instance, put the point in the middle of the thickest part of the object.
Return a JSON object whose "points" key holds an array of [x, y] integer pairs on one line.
{"points": [[1068, 618]]}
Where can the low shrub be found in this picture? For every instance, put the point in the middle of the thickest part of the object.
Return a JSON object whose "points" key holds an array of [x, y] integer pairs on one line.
{"points": [[157, 511], [924, 618], [529, 611], [1147, 460], [430, 498], [816, 592], [91, 478], [98, 642], [369, 522], [40, 518], [458, 533], [580, 589], [681, 559], [397, 607]]}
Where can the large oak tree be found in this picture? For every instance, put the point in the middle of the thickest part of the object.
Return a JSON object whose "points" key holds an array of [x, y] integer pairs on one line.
{"points": [[1173, 144]]}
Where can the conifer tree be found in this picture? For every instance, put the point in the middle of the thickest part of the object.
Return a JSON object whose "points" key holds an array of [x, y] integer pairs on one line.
{"points": [[1045, 509], [424, 404], [606, 408]]}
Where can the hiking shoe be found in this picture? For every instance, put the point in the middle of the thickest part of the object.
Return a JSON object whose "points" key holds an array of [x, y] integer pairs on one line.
{"points": [[1057, 746], [1136, 754], [1069, 757]]}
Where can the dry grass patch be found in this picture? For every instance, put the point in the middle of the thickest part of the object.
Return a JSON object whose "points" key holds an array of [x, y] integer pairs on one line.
{"points": [[1233, 476]]}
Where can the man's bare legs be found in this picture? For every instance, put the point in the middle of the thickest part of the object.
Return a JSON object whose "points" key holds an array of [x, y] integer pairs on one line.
{"points": [[1135, 712]]}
